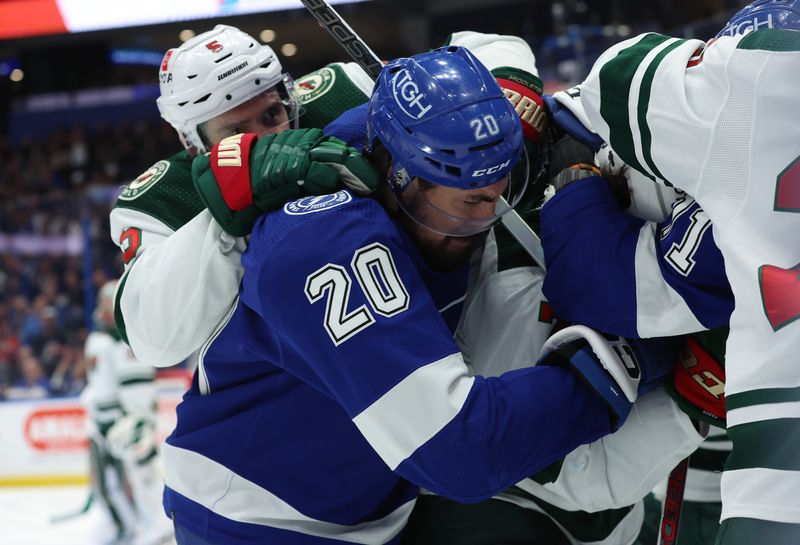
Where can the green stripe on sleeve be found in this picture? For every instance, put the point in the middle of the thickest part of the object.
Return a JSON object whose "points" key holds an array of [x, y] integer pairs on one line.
{"points": [[749, 531], [136, 380], [118, 319], [615, 78], [708, 460], [763, 396], [644, 101], [769, 444]]}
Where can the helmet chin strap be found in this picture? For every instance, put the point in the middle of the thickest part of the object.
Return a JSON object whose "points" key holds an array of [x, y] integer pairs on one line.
{"points": [[192, 150]]}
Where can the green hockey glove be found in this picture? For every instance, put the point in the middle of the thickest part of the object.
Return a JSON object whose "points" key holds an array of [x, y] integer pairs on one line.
{"points": [[244, 176]]}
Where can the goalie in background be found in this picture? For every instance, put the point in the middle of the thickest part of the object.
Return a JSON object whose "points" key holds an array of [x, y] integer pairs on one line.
{"points": [[120, 399]]}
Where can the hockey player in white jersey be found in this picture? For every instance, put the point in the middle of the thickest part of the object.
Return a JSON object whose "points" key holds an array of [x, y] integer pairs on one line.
{"points": [[635, 292], [720, 121], [120, 399], [219, 83]]}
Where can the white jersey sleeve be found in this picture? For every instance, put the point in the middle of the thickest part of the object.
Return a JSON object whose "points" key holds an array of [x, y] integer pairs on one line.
{"points": [[506, 319], [503, 326], [656, 114], [177, 287], [621, 468], [691, 114]]}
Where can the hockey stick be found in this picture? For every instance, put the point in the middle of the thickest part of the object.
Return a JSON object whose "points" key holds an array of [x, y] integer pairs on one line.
{"points": [[360, 52], [74, 514], [670, 518]]}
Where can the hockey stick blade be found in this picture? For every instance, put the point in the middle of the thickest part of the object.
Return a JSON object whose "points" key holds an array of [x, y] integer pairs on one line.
{"points": [[673, 503], [360, 52], [74, 514]]}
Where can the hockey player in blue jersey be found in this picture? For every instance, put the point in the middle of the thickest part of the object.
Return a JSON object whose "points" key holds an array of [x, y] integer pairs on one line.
{"points": [[335, 389]]}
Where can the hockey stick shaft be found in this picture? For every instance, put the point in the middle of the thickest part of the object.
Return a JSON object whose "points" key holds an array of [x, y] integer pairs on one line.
{"points": [[337, 27], [360, 52], [74, 514], [673, 503]]}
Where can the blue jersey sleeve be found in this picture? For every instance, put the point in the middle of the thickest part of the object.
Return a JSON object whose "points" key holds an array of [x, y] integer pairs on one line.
{"points": [[619, 274], [350, 126], [566, 120], [344, 290]]}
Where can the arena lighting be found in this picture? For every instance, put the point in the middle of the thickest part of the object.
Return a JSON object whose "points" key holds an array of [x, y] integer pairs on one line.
{"points": [[19, 18], [267, 35], [288, 50], [136, 56]]}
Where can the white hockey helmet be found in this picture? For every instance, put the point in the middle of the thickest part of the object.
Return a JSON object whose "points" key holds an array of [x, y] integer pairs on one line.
{"points": [[214, 72], [104, 306]]}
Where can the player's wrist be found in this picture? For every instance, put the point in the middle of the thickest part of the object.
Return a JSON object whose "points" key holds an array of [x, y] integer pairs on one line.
{"points": [[572, 173]]}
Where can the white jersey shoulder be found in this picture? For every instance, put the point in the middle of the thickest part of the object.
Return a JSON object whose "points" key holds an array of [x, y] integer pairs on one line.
{"points": [[179, 288], [689, 113]]}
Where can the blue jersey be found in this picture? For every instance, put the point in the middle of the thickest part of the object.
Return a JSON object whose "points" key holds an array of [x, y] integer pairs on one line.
{"points": [[612, 271], [335, 390]]}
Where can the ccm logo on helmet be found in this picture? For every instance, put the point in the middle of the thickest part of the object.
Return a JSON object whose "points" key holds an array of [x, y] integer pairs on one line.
{"points": [[408, 96], [490, 170]]}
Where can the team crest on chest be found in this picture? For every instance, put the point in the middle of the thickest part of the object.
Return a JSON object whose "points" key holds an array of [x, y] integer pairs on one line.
{"points": [[318, 203], [144, 181], [316, 84]]}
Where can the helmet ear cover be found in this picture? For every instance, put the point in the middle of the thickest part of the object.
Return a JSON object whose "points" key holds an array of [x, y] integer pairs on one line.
{"points": [[445, 120], [763, 14], [213, 73]]}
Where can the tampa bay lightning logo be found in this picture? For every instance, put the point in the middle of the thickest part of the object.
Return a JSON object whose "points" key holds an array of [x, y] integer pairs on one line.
{"points": [[318, 203]]}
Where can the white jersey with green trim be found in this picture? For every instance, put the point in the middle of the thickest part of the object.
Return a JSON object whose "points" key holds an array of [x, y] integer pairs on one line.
{"points": [[117, 383], [182, 271], [503, 325], [721, 121]]}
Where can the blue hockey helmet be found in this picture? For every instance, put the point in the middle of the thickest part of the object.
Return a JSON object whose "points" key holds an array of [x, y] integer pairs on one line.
{"points": [[445, 121], [763, 14]]}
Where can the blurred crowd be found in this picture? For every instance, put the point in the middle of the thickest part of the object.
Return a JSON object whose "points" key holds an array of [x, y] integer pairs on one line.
{"points": [[72, 159], [55, 249]]}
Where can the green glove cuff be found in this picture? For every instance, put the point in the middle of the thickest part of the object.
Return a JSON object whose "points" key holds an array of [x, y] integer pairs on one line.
{"points": [[692, 410], [239, 223]]}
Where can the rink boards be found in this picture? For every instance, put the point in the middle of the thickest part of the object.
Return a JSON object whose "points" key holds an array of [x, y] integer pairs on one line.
{"points": [[44, 442]]}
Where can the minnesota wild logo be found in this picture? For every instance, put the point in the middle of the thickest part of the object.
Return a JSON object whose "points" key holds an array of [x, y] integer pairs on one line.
{"points": [[315, 84], [144, 181]]}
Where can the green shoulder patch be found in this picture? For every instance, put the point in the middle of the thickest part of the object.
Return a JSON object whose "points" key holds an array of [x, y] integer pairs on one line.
{"points": [[328, 92], [145, 181], [315, 84]]}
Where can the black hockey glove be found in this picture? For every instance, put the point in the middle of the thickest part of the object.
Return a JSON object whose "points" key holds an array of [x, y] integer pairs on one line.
{"points": [[570, 160]]}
